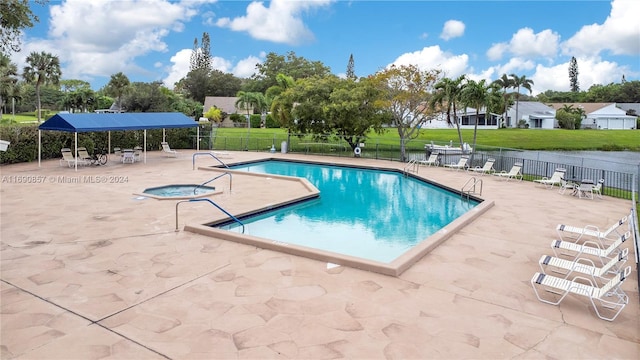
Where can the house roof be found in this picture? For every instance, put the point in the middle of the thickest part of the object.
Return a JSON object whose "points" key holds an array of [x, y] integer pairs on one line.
{"points": [[224, 103], [91, 122], [587, 107]]}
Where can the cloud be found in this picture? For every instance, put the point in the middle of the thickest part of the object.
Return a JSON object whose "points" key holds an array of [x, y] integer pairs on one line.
{"points": [[591, 71], [452, 29], [281, 22], [432, 57], [619, 34], [245, 68], [526, 44], [100, 38]]}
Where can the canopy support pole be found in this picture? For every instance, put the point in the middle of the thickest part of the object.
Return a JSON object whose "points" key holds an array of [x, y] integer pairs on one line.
{"points": [[198, 140], [39, 147], [76, 136], [145, 146], [108, 142]]}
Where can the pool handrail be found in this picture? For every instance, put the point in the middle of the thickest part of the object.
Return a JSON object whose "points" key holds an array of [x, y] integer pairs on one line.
{"points": [[193, 159], [212, 203], [210, 180]]}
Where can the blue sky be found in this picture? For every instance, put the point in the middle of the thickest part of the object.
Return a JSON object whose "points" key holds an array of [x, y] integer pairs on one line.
{"points": [[151, 40]]}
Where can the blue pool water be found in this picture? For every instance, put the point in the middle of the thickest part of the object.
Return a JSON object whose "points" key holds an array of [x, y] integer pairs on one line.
{"points": [[370, 214]]}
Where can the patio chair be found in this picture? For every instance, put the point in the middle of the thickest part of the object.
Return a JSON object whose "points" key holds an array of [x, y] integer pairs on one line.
{"points": [[583, 266], [67, 156], [609, 296], [84, 154], [574, 251], [575, 234], [137, 153], [431, 161], [128, 156], [486, 169], [514, 173], [591, 191], [566, 185], [168, 151], [555, 179], [462, 163]]}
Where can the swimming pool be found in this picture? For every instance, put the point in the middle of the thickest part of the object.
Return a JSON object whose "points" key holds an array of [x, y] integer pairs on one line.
{"points": [[372, 214]]}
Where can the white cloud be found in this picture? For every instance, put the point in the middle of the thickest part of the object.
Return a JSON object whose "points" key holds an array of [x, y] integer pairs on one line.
{"points": [[245, 68], [619, 34], [100, 38], [181, 63], [591, 71], [526, 44], [452, 29], [280, 22], [432, 57]]}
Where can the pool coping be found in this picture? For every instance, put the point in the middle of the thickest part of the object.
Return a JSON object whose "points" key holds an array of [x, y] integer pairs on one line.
{"points": [[394, 268]]}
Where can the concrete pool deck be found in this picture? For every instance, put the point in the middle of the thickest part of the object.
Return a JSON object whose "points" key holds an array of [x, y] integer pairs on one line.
{"points": [[90, 271]]}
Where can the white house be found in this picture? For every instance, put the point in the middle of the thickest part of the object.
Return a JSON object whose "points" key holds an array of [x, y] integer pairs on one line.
{"points": [[534, 114], [602, 116], [466, 119]]}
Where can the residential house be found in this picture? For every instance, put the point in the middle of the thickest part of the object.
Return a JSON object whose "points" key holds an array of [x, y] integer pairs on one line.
{"points": [[227, 104], [602, 115], [534, 115], [466, 118]]}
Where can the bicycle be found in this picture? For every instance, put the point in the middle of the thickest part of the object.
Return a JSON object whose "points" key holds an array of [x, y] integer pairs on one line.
{"points": [[99, 157]]}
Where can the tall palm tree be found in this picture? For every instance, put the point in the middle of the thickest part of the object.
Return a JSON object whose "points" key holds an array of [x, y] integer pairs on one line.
{"points": [[505, 83], [250, 101], [449, 90], [42, 68], [476, 94], [520, 81], [117, 86], [8, 79]]}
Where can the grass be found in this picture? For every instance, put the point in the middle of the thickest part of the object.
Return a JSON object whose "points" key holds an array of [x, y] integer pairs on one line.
{"points": [[526, 139]]}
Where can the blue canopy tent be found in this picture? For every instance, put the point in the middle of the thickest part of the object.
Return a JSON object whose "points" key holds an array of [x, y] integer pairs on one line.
{"points": [[90, 122]]}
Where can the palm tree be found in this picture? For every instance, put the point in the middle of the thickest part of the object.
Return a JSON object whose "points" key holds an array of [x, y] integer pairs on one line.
{"points": [[476, 94], [8, 79], [449, 90], [117, 86], [520, 81], [505, 83], [250, 101], [43, 68]]}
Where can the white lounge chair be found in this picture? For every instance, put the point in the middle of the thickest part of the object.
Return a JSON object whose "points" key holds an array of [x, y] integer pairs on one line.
{"points": [[462, 163], [555, 179], [486, 169], [167, 150], [583, 266], [67, 156], [574, 251], [84, 154], [514, 173], [575, 234], [431, 161], [609, 296]]}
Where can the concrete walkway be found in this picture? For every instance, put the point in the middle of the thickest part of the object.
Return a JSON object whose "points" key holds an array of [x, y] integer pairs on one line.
{"points": [[90, 270]]}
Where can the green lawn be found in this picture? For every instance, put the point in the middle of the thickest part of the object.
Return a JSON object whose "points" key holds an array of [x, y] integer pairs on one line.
{"points": [[527, 139]]}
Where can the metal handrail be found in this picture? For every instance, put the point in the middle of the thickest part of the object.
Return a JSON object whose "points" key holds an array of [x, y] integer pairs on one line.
{"points": [[193, 159], [212, 203], [210, 180], [472, 189], [412, 162]]}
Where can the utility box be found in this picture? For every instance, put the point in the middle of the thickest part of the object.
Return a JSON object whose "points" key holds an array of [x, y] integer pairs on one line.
{"points": [[283, 147], [4, 145]]}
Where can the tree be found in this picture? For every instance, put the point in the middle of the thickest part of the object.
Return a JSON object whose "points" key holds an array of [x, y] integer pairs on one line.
{"points": [[291, 65], [476, 95], [520, 81], [201, 55], [8, 80], [42, 68], [15, 15], [214, 114], [118, 86], [448, 90], [406, 91], [250, 101], [573, 75], [146, 97], [351, 74], [505, 83]]}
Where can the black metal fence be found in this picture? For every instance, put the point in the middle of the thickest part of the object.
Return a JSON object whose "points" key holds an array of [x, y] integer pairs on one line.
{"points": [[616, 183]]}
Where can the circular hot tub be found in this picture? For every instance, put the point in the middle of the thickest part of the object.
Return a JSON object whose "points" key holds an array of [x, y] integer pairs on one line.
{"points": [[179, 191]]}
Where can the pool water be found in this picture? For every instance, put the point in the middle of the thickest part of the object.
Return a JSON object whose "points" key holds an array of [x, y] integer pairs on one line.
{"points": [[370, 214], [179, 190]]}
